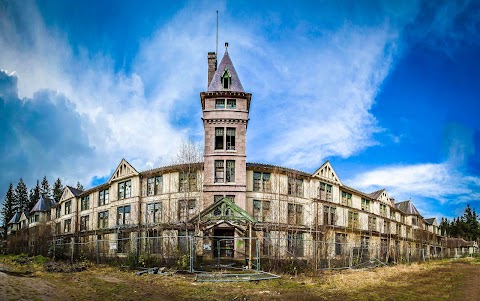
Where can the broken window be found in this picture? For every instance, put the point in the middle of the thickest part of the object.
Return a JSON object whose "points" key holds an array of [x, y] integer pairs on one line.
{"points": [[103, 197], [67, 225], [295, 187], [226, 79], [261, 210], [123, 242], [329, 215], [386, 226], [230, 138], [365, 243], [219, 138], [353, 219], [84, 222], [186, 209], [340, 243], [230, 171], [325, 192], [372, 223], [295, 214], [124, 189], [123, 215], [58, 228], [365, 205], [68, 207], [154, 213], [151, 186], [295, 244], [58, 211], [261, 181], [187, 181], [346, 199], [85, 203], [103, 220], [219, 171], [154, 241], [383, 210]]}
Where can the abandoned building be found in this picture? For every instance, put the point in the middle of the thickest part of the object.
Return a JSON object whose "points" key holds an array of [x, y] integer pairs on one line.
{"points": [[225, 200]]}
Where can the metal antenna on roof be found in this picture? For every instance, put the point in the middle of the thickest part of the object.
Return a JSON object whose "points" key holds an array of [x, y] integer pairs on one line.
{"points": [[216, 49]]}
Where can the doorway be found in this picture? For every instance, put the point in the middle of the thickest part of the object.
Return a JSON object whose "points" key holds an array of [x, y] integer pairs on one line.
{"points": [[223, 239]]}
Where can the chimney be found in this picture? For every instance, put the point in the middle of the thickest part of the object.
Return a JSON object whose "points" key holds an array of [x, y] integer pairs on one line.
{"points": [[212, 66]]}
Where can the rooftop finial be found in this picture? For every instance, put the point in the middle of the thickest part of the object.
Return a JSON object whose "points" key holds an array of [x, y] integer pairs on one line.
{"points": [[226, 46]]}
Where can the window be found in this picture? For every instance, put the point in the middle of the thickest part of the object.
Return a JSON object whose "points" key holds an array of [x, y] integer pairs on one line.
{"points": [[103, 220], [398, 229], [154, 241], [365, 243], [295, 214], [340, 243], [372, 223], [295, 244], [154, 213], [217, 198], [261, 181], [125, 189], [386, 227], [183, 241], [325, 192], [230, 138], [414, 221], [58, 211], [123, 215], [267, 247], [261, 210], [219, 103], [68, 207], [123, 242], [154, 185], [219, 171], [84, 222], [226, 79], [329, 215], [219, 138], [346, 198], [103, 197], [58, 228], [231, 103], [295, 186], [383, 210], [230, 171], [187, 181], [365, 205], [67, 225], [353, 219], [392, 214], [85, 203], [186, 209], [222, 174]]}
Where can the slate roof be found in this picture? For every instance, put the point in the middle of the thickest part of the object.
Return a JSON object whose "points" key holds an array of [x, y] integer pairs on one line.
{"points": [[374, 195], [43, 204], [75, 191], [15, 219], [429, 221], [216, 83], [407, 207], [269, 166]]}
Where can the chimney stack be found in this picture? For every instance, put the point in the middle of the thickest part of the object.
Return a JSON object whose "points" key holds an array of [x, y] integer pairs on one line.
{"points": [[212, 66]]}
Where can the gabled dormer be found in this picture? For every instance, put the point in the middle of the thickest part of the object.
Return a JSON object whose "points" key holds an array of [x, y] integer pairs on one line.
{"points": [[327, 174], [123, 170]]}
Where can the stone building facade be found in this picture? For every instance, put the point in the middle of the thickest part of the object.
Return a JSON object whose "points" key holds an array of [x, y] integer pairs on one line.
{"points": [[289, 212]]}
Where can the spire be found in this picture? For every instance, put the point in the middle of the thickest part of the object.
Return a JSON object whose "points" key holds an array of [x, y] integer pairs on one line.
{"points": [[225, 77]]}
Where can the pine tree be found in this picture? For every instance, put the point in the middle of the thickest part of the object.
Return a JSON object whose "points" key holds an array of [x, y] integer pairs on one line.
{"points": [[57, 190], [34, 196], [45, 189], [79, 186], [21, 196], [8, 209]]}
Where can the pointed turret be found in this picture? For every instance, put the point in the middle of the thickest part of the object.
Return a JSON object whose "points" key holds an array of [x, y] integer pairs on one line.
{"points": [[225, 77]]}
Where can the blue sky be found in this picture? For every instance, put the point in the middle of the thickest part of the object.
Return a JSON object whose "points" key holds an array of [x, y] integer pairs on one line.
{"points": [[387, 91]]}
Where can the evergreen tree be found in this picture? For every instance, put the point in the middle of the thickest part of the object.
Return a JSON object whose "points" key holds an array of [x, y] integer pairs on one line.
{"points": [[57, 190], [79, 186], [34, 196], [45, 189], [8, 208], [21, 196]]}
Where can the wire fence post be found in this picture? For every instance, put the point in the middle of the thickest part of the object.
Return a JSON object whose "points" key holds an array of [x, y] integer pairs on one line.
{"points": [[96, 250], [258, 255], [72, 246]]}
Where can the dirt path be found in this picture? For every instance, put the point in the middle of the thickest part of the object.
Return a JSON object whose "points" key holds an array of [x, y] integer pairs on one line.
{"points": [[472, 283]]}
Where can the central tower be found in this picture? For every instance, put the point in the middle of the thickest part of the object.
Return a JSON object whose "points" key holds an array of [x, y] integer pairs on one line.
{"points": [[225, 108]]}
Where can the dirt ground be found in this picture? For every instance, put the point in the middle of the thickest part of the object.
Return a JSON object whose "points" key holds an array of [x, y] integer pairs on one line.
{"points": [[438, 280]]}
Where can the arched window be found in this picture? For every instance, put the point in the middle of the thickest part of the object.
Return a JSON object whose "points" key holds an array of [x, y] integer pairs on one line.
{"points": [[226, 79]]}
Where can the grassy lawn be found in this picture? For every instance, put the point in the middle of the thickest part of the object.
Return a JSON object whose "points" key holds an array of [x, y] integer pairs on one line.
{"points": [[436, 280]]}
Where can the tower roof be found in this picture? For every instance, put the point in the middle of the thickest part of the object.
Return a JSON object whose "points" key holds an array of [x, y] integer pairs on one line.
{"points": [[226, 66], [43, 204]]}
